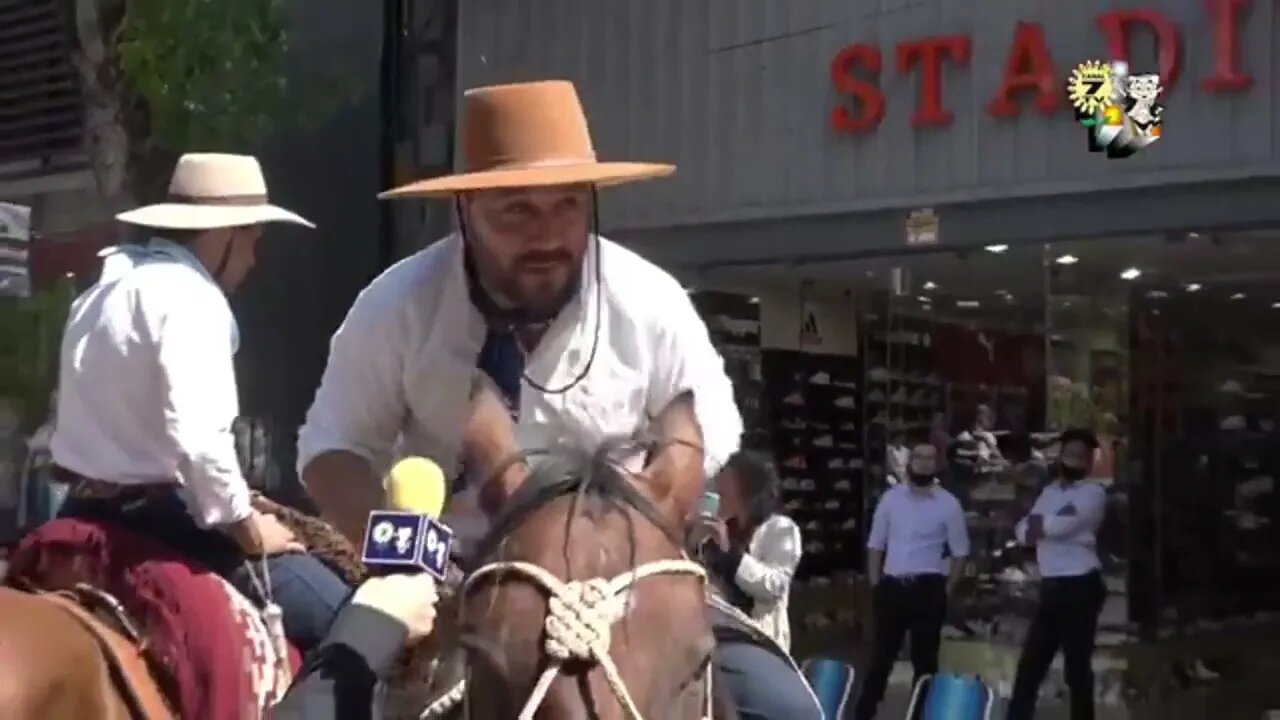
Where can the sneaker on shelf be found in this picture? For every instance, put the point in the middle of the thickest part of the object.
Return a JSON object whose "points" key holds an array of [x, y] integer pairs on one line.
{"points": [[835, 463], [794, 398], [880, 419], [848, 384], [815, 425], [849, 524], [806, 484], [898, 396], [846, 402], [790, 483], [848, 426], [854, 464], [875, 396], [792, 424], [832, 505], [878, 374], [814, 547], [813, 525], [820, 378], [846, 445], [844, 486], [795, 461], [823, 441], [1200, 672], [793, 506]]}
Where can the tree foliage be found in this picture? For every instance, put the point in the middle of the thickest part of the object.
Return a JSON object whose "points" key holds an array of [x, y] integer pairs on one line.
{"points": [[210, 72], [173, 76]]}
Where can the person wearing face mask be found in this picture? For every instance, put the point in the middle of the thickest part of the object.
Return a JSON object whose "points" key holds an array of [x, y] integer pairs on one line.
{"points": [[913, 524], [1063, 528]]}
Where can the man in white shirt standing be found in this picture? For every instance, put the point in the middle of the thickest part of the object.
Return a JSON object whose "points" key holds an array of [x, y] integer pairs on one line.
{"points": [[585, 339], [913, 524], [147, 391], [1063, 528]]}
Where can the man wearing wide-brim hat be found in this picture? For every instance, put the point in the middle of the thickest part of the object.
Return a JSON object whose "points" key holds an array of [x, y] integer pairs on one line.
{"points": [[584, 339], [147, 390]]}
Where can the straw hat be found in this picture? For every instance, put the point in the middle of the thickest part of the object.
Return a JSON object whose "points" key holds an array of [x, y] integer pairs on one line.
{"points": [[213, 190], [527, 135]]}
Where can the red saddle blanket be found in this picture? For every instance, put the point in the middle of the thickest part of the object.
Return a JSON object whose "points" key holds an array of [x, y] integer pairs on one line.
{"points": [[206, 634]]}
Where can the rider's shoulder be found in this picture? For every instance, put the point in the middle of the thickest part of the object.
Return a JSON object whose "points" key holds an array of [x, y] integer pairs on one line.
{"points": [[169, 286]]}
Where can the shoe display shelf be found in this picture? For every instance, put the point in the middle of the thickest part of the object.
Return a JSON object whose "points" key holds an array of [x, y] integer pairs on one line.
{"points": [[815, 408], [902, 393], [734, 324]]}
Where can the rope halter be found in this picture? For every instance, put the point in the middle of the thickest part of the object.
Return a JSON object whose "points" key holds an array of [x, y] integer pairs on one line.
{"points": [[580, 619]]}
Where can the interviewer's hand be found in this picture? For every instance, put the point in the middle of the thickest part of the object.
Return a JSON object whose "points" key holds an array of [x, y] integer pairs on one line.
{"points": [[411, 599]]}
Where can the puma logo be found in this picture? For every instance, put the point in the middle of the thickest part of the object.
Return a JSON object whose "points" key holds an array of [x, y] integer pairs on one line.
{"points": [[989, 344]]}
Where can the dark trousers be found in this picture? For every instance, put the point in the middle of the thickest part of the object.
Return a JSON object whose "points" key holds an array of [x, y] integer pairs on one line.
{"points": [[900, 605], [1067, 618], [308, 592], [762, 683]]}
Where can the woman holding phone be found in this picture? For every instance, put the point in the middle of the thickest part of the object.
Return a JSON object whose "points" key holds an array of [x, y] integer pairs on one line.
{"points": [[751, 553]]}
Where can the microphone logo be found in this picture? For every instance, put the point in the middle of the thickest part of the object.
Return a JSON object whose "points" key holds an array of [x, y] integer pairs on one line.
{"points": [[407, 540]]}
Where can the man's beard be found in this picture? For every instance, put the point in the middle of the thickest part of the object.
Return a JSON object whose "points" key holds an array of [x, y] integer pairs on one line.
{"points": [[542, 293]]}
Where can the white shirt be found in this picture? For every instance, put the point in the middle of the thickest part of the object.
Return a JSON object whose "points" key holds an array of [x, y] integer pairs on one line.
{"points": [[911, 526], [1070, 543], [400, 365], [147, 388], [765, 574]]}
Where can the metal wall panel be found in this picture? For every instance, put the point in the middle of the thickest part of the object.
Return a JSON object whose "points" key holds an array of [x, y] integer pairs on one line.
{"points": [[737, 92], [40, 107]]}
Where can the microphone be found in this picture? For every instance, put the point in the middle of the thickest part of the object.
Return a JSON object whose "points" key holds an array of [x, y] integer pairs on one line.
{"points": [[408, 537]]}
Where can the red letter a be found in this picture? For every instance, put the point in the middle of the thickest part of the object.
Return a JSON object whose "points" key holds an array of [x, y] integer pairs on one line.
{"points": [[1029, 67]]}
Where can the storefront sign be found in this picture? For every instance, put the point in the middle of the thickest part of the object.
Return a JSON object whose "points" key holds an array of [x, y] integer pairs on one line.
{"points": [[922, 227], [1029, 69]]}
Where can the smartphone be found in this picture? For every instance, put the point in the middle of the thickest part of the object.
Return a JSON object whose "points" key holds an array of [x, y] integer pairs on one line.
{"points": [[710, 505]]}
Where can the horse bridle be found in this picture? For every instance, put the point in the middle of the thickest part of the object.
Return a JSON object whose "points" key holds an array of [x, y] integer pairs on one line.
{"points": [[578, 625]]}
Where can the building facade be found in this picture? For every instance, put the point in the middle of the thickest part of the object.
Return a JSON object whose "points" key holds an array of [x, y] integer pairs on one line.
{"points": [[906, 210]]}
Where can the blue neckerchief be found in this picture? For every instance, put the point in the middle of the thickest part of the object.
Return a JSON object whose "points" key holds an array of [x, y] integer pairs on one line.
{"points": [[119, 259]]}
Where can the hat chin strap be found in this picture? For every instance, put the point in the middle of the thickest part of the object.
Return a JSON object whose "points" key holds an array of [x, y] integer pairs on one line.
{"points": [[225, 260]]}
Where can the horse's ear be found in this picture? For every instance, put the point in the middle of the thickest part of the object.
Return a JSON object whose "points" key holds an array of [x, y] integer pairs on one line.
{"points": [[489, 441], [675, 470]]}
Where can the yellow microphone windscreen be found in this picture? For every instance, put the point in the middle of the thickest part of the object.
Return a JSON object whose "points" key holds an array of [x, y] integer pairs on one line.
{"points": [[416, 485]]}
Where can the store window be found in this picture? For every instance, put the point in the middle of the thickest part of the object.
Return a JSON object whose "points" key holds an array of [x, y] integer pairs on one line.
{"points": [[1166, 348]]}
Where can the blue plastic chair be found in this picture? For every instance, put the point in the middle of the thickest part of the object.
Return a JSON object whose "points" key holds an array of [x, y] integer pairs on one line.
{"points": [[832, 681], [951, 697]]}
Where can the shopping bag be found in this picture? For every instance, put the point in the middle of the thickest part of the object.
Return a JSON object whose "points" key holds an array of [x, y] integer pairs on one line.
{"points": [[832, 681], [951, 697]]}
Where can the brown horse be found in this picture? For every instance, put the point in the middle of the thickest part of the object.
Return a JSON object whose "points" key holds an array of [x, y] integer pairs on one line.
{"points": [[38, 632], [582, 603]]}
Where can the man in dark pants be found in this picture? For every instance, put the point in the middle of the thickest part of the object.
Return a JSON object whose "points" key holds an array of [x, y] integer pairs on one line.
{"points": [[147, 392], [1063, 527], [914, 521]]}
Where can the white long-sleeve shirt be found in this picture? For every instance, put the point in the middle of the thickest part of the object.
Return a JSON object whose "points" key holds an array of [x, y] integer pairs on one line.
{"points": [[765, 574], [400, 366], [1072, 515], [147, 388]]}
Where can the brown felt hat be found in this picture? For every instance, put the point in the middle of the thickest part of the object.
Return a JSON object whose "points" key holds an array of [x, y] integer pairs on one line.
{"points": [[527, 135]]}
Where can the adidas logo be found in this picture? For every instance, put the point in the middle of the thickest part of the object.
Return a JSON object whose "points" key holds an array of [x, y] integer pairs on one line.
{"points": [[809, 329]]}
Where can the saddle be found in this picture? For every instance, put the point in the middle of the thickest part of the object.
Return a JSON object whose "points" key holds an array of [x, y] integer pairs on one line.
{"points": [[199, 641]]}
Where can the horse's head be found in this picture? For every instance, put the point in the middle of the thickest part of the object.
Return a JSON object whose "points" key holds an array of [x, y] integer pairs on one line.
{"points": [[582, 590]]}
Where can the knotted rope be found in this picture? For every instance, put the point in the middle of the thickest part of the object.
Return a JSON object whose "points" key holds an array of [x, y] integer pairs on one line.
{"points": [[580, 619]]}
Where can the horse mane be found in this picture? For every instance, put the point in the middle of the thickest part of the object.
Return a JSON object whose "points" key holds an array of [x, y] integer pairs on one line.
{"points": [[596, 479]]}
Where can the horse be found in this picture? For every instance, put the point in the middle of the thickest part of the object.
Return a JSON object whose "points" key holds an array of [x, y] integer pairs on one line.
{"points": [[580, 601], [574, 515]]}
